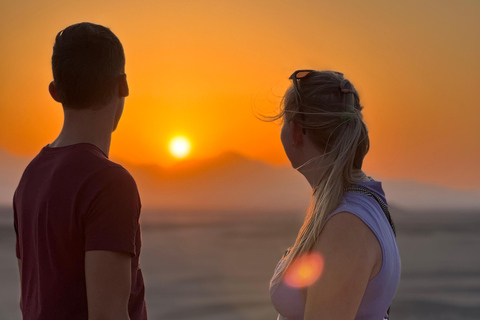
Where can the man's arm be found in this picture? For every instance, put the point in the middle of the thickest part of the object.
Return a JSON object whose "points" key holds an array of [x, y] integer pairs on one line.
{"points": [[20, 272], [108, 279]]}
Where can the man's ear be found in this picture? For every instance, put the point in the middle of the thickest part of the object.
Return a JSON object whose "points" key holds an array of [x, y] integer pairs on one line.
{"points": [[123, 86], [53, 92], [297, 133]]}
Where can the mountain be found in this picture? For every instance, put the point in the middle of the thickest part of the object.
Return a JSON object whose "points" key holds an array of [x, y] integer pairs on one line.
{"points": [[229, 181], [233, 182]]}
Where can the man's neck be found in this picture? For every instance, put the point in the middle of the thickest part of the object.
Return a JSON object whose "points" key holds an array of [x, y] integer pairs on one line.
{"points": [[86, 126], [64, 140]]}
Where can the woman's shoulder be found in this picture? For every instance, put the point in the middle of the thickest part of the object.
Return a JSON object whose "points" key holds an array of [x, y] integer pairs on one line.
{"points": [[347, 233], [348, 223]]}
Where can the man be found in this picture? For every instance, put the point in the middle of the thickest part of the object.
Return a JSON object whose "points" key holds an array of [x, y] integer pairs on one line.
{"points": [[77, 213]]}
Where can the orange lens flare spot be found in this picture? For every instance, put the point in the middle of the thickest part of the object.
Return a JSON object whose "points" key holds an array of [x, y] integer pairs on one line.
{"points": [[304, 271]]}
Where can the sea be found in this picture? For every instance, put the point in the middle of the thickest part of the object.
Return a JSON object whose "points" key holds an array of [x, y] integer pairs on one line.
{"points": [[217, 264]]}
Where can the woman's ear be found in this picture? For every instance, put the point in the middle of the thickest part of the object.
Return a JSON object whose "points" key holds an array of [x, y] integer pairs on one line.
{"points": [[297, 133], [53, 92], [123, 86]]}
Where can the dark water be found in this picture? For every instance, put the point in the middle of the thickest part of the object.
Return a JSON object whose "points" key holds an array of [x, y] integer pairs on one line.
{"points": [[217, 265]]}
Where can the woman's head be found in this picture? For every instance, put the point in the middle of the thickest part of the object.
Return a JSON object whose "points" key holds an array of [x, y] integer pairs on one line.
{"points": [[325, 138], [323, 124]]}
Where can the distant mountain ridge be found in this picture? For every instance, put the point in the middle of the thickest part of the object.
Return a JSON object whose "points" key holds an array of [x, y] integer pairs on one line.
{"points": [[232, 181], [227, 181], [188, 168]]}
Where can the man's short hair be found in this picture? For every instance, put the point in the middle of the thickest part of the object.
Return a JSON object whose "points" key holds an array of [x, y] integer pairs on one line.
{"points": [[86, 62]]}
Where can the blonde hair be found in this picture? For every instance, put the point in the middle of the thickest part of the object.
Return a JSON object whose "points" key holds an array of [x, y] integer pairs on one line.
{"points": [[327, 107]]}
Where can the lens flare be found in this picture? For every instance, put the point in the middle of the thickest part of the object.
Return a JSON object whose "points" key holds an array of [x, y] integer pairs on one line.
{"points": [[304, 271], [179, 147]]}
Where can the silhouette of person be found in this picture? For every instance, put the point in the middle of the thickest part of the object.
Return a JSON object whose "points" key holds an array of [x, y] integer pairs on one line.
{"points": [[76, 213], [345, 262]]}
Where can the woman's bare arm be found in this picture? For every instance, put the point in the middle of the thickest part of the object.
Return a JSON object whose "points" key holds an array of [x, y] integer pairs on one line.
{"points": [[348, 247]]}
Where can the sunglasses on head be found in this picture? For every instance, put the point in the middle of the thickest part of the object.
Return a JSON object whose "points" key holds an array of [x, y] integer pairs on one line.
{"points": [[297, 75]]}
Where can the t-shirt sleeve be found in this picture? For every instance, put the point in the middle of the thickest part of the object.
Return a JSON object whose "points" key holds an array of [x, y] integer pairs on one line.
{"points": [[111, 220]]}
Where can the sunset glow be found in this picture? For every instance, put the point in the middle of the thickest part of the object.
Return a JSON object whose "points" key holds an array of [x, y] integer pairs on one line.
{"points": [[179, 147], [304, 271], [201, 66]]}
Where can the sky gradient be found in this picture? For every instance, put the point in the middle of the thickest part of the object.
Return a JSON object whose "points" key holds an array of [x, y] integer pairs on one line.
{"points": [[199, 68]]}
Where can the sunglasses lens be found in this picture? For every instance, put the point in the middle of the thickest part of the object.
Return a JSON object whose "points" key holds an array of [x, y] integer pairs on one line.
{"points": [[302, 74]]}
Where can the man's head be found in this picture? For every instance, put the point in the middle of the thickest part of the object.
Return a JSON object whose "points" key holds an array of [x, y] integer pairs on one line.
{"points": [[88, 66]]}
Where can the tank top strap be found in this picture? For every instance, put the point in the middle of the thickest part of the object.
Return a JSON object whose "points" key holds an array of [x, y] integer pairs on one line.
{"points": [[361, 189]]}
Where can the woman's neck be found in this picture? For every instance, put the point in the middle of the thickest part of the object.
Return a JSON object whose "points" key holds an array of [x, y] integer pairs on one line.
{"points": [[359, 175]]}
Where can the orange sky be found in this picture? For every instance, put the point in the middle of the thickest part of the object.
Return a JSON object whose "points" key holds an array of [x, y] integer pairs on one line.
{"points": [[197, 67]]}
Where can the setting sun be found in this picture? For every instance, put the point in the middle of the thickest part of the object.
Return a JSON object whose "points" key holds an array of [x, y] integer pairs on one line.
{"points": [[179, 147]]}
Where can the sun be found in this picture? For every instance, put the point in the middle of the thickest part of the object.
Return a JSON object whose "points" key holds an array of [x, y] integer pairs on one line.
{"points": [[179, 147]]}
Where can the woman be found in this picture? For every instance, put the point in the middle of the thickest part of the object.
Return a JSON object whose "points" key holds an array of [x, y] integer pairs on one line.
{"points": [[347, 242]]}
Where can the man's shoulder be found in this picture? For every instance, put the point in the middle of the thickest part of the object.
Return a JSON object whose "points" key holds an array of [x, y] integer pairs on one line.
{"points": [[109, 183], [91, 164], [76, 163], [114, 172]]}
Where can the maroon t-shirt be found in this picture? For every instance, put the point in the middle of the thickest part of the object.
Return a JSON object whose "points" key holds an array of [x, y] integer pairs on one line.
{"points": [[71, 200]]}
